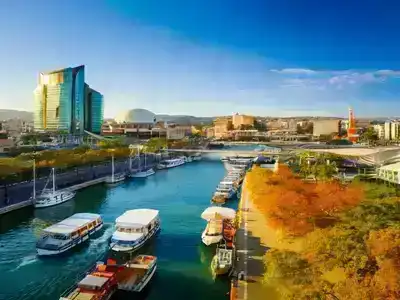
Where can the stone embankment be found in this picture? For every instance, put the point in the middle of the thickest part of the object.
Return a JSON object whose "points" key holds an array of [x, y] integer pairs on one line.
{"points": [[16, 196]]}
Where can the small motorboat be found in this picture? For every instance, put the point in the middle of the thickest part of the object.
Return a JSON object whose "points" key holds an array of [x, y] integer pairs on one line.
{"points": [[218, 199], [222, 261]]}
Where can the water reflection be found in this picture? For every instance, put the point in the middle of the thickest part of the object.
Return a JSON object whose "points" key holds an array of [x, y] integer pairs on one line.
{"points": [[16, 218]]}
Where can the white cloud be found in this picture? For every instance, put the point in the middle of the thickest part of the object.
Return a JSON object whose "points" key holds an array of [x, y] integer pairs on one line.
{"points": [[294, 71]]}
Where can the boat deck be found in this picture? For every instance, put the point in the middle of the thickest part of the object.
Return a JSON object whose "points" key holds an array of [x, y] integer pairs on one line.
{"points": [[78, 295]]}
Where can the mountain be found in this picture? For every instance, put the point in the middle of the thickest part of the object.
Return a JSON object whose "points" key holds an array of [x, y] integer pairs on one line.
{"points": [[6, 114], [185, 120]]}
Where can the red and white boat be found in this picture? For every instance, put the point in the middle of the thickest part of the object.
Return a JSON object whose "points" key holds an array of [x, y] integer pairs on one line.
{"points": [[106, 279]]}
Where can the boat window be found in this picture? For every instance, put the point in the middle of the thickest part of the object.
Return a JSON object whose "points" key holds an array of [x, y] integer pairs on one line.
{"points": [[59, 236], [129, 230]]}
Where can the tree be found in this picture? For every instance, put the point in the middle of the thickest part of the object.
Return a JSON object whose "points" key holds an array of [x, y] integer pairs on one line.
{"points": [[155, 144], [369, 136], [295, 206], [260, 126]]}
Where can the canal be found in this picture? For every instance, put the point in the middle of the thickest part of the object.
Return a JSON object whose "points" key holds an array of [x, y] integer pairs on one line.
{"points": [[181, 194]]}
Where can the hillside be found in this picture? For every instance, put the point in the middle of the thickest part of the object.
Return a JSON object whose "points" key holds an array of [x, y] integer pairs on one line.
{"points": [[185, 120], [6, 114]]}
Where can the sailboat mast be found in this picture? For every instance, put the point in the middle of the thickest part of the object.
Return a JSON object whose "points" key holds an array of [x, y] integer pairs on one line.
{"points": [[54, 181], [139, 163], [34, 179], [112, 166]]}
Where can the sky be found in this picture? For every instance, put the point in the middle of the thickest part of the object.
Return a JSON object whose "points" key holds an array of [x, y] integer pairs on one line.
{"points": [[210, 57]]}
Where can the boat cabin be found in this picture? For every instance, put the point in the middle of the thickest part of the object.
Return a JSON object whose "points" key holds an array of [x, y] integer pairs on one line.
{"points": [[134, 227], [76, 227]]}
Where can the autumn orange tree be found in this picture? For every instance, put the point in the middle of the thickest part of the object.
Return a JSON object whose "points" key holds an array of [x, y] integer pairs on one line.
{"points": [[358, 257], [294, 205]]}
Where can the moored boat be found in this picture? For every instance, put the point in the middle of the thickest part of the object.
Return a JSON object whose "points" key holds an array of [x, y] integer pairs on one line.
{"points": [[68, 233], [223, 260], [134, 228], [51, 197], [215, 216], [171, 163], [114, 178], [218, 199], [197, 157], [143, 174]]}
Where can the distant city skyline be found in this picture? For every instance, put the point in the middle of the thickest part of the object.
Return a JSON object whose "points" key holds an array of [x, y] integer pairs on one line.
{"points": [[269, 58]]}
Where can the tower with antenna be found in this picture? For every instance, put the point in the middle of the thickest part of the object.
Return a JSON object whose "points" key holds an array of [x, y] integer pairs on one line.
{"points": [[352, 130]]}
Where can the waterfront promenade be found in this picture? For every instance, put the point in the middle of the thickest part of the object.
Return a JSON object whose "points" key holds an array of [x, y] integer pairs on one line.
{"points": [[253, 240]]}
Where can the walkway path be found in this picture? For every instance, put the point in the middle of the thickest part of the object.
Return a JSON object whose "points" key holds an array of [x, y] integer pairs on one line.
{"points": [[253, 240]]}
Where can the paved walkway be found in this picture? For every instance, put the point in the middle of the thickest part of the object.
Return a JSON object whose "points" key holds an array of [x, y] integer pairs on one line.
{"points": [[251, 242]]}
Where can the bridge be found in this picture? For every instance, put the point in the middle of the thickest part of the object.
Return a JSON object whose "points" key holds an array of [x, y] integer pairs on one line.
{"points": [[367, 155]]}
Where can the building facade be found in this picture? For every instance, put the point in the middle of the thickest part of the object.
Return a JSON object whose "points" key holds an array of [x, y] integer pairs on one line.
{"points": [[392, 130], [380, 130], [221, 127], [326, 127], [94, 110], [61, 102], [239, 120]]}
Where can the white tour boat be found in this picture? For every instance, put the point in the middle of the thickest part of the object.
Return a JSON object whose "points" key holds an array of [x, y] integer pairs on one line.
{"points": [[51, 197], [114, 178], [146, 172], [134, 228], [226, 189], [68, 233], [171, 163], [215, 216], [237, 164]]}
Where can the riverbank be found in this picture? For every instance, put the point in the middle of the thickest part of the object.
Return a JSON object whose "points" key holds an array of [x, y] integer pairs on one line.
{"points": [[18, 195]]}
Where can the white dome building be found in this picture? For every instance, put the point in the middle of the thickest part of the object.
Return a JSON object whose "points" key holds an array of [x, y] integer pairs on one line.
{"points": [[136, 122], [136, 116]]}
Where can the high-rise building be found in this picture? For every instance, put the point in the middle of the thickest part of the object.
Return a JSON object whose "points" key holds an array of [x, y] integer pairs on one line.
{"points": [[62, 102], [94, 110]]}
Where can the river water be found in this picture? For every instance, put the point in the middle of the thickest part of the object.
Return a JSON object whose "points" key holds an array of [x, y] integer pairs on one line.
{"points": [[181, 194]]}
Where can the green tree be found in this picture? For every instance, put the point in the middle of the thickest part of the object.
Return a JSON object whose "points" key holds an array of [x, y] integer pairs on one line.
{"points": [[155, 145], [369, 136]]}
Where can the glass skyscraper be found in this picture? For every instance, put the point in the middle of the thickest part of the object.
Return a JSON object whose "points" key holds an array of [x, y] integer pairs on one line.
{"points": [[61, 102], [94, 110]]}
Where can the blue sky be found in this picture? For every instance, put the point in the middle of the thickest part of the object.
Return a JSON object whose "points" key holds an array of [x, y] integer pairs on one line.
{"points": [[210, 57]]}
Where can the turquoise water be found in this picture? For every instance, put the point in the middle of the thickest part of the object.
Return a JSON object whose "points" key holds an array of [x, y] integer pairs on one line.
{"points": [[181, 194]]}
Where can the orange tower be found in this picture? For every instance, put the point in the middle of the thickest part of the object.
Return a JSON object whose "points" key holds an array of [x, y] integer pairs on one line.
{"points": [[352, 131]]}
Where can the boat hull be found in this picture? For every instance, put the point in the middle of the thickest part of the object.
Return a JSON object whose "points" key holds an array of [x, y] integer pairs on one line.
{"points": [[69, 196], [116, 181], [209, 240], [143, 174], [218, 270], [128, 249], [162, 166]]}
